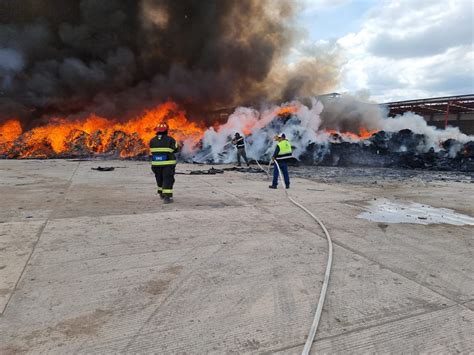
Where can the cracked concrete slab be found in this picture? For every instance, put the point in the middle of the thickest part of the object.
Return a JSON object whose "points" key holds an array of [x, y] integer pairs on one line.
{"points": [[16, 244], [230, 267], [403, 336]]}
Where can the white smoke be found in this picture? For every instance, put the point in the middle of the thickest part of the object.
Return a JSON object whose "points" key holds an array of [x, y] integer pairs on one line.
{"points": [[301, 129], [306, 126], [417, 124]]}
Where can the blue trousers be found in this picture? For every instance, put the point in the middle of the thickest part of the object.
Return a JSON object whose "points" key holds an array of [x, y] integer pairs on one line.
{"points": [[284, 171]]}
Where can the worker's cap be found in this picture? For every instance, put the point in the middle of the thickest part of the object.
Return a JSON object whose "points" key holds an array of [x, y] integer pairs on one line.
{"points": [[281, 135]]}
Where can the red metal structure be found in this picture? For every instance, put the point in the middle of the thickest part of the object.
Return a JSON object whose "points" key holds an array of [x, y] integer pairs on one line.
{"points": [[439, 111], [426, 107]]}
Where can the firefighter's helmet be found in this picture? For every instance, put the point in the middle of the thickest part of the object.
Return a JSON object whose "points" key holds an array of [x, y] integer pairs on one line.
{"points": [[161, 128]]}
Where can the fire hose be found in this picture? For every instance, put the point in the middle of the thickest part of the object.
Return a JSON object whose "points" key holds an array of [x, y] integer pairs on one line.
{"points": [[322, 295], [265, 171]]}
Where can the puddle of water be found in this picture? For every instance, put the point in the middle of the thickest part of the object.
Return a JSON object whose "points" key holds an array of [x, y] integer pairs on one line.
{"points": [[394, 212]]}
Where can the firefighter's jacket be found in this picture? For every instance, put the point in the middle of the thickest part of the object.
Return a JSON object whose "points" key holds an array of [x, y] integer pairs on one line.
{"points": [[163, 149], [282, 150], [239, 142]]}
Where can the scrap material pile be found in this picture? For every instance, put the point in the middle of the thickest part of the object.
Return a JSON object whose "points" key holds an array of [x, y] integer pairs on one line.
{"points": [[402, 142], [393, 149], [362, 136]]}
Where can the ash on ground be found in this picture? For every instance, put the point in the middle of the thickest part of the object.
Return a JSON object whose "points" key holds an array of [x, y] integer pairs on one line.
{"points": [[366, 175]]}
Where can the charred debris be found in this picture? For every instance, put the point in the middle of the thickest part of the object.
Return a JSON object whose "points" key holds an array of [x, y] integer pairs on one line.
{"points": [[401, 149]]}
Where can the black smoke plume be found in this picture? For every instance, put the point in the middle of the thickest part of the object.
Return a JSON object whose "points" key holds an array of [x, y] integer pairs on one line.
{"points": [[115, 58]]}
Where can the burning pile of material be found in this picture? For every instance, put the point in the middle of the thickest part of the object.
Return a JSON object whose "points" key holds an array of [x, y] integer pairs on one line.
{"points": [[95, 136], [317, 137], [86, 78]]}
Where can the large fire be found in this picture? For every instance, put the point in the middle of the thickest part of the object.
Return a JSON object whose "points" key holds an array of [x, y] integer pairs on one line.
{"points": [[96, 135], [287, 110], [351, 136]]}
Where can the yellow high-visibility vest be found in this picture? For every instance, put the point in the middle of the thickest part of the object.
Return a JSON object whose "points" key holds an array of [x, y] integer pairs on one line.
{"points": [[285, 147]]}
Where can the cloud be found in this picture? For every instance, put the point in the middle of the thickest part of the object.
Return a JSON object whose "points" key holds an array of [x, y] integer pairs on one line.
{"points": [[451, 71], [311, 6], [411, 49], [434, 36]]}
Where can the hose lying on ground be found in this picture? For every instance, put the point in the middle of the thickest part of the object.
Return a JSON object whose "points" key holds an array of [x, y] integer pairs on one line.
{"points": [[265, 171], [322, 295]]}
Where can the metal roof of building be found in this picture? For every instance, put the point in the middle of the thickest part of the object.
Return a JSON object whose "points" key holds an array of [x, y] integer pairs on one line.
{"points": [[436, 105]]}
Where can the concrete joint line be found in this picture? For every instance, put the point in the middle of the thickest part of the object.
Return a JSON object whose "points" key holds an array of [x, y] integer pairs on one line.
{"points": [[176, 288], [219, 188], [38, 237], [367, 327], [344, 246], [463, 305]]}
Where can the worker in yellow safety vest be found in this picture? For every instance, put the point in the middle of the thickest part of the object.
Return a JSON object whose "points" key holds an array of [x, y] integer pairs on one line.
{"points": [[163, 161], [281, 155]]}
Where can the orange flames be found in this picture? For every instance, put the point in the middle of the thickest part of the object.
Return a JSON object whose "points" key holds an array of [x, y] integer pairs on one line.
{"points": [[64, 137], [363, 133], [286, 110], [96, 134], [9, 131]]}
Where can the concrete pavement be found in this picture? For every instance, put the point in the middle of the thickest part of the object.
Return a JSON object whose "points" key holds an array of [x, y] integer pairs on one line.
{"points": [[93, 262]]}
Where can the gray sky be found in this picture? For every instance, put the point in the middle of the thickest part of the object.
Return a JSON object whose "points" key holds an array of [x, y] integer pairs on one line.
{"points": [[395, 49]]}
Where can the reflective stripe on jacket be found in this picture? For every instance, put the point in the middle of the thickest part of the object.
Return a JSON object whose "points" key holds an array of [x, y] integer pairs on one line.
{"points": [[284, 150], [163, 149], [239, 142]]}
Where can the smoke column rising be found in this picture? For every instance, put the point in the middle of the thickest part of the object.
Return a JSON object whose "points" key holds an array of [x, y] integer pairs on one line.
{"points": [[116, 58]]}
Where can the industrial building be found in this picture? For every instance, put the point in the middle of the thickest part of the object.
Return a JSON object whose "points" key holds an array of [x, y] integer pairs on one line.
{"points": [[456, 111]]}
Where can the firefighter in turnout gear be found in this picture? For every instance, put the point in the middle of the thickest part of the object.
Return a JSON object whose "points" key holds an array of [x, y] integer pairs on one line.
{"points": [[239, 143], [163, 161], [281, 155]]}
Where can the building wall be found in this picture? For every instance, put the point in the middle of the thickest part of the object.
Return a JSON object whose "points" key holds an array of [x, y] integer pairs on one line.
{"points": [[464, 121]]}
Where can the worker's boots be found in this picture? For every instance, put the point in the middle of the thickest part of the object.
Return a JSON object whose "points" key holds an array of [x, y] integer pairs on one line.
{"points": [[160, 193], [167, 199]]}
